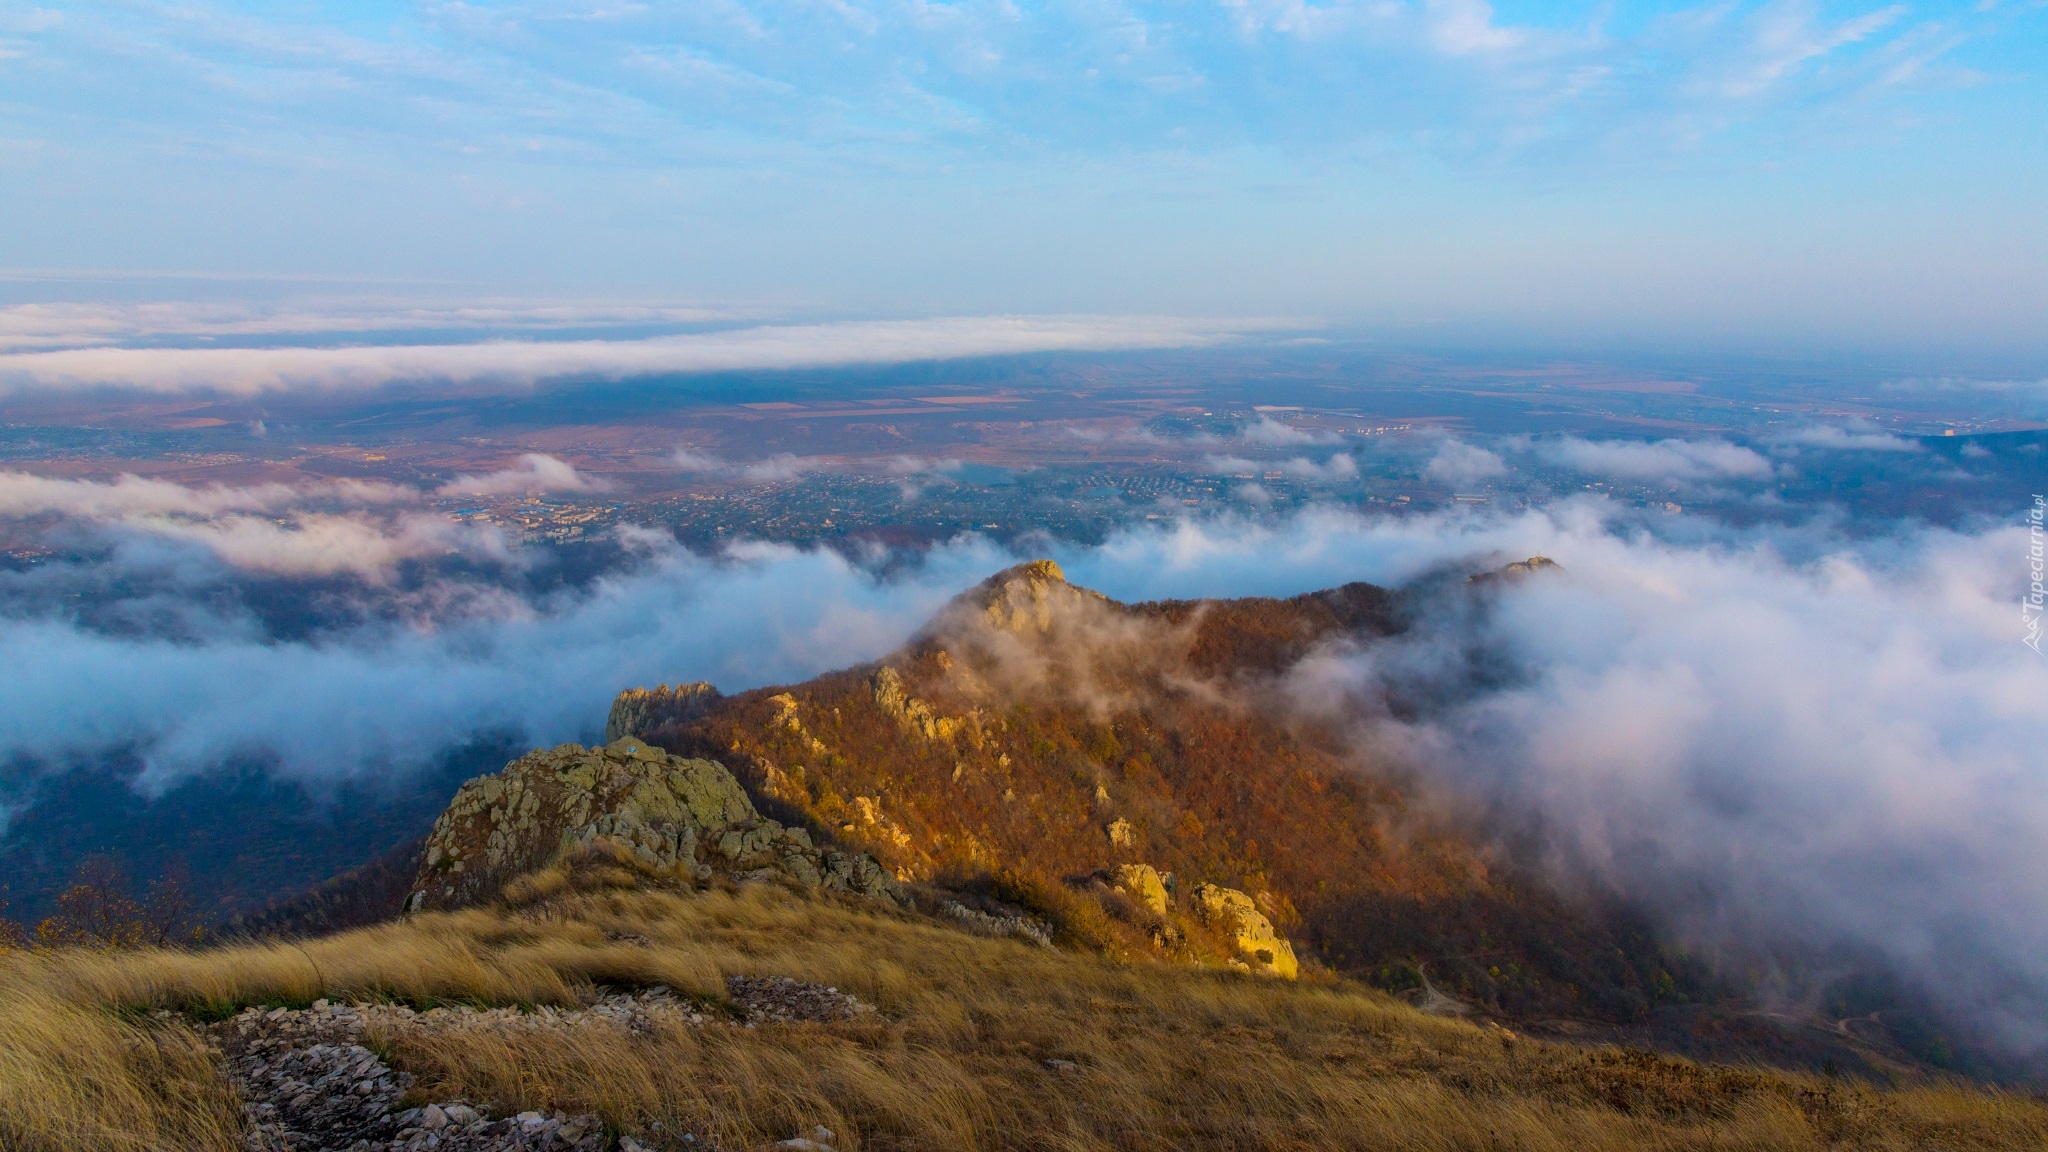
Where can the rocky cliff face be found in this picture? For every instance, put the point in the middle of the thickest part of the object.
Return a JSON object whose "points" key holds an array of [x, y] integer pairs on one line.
{"points": [[639, 710], [685, 818]]}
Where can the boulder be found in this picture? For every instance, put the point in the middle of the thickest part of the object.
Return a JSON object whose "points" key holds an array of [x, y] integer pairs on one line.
{"points": [[1235, 914], [682, 817], [1142, 882]]}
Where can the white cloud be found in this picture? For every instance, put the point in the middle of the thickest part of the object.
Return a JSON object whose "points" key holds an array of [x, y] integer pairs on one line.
{"points": [[341, 526], [73, 324], [781, 466], [1855, 439], [26, 494], [1459, 464], [1466, 27], [1681, 461], [320, 544], [1786, 34], [1338, 467], [535, 473], [690, 460], [1270, 433], [523, 362], [1835, 751]]}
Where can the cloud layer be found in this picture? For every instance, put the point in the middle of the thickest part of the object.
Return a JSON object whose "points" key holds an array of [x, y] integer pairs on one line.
{"points": [[246, 371]]}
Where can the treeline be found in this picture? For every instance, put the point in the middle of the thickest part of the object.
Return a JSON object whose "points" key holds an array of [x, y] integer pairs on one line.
{"points": [[100, 909]]}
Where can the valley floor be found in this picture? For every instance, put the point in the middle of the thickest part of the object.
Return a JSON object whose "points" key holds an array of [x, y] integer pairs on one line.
{"points": [[628, 1017]]}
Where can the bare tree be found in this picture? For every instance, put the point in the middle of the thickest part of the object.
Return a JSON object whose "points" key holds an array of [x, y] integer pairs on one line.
{"points": [[170, 918], [11, 934], [96, 910]]}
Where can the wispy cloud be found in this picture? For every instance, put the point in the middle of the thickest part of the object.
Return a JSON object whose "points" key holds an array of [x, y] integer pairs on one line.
{"points": [[876, 77]]}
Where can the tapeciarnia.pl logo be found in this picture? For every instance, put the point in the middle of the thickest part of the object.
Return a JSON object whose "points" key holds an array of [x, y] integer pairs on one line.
{"points": [[2032, 603]]}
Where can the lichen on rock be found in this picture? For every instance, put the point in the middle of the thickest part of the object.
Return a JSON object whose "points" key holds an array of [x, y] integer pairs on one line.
{"points": [[682, 817]]}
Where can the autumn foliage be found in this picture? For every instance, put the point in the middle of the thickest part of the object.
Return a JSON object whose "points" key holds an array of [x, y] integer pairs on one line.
{"points": [[1040, 730]]}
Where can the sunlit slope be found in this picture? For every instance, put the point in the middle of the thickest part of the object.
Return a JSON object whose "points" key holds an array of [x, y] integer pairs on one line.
{"points": [[1039, 729]]}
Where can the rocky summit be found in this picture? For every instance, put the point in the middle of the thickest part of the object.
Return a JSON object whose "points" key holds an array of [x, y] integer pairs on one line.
{"points": [[665, 814]]}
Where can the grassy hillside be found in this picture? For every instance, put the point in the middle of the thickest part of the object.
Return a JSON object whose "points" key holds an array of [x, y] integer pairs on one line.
{"points": [[978, 1044]]}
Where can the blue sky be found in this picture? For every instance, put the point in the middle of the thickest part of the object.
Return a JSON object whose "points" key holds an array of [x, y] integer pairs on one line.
{"points": [[1761, 176]]}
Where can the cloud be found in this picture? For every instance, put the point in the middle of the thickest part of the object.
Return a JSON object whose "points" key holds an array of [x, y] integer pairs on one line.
{"points": [[1460, 464], [781, 466], [1267, 432], [1857, 439], [383, 694], [249, 371], [1680, 461], [342, 526], [1780, 743], [1449, 76], [689, 460], [535, 473], [1466, 27], [1338, 467], [74, 324], [319, 544], [26, 494]]}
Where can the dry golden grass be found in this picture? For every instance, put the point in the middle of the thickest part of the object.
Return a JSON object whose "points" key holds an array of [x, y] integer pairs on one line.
{"points": [[1163, 1058]]}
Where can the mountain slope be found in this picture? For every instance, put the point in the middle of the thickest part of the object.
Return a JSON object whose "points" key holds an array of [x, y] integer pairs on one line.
{"points": [[642, 1011], [1041, 731]]}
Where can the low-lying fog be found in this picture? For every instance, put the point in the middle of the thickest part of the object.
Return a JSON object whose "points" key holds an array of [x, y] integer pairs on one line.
{"points": [[1780, 739]]}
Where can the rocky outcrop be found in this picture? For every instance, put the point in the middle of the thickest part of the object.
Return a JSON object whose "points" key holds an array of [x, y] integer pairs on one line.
{"points": [[685, 818], [1234, 914], [1143, 883], [636, 712], [1519, 570], [1024, 598]]}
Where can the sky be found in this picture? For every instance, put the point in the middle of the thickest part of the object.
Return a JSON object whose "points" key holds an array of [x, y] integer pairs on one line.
{"points": [[1846, 175]]}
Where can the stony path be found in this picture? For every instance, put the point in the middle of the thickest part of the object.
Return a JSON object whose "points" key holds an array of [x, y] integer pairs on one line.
{"points": [[309, 1085], [781, 1000]]}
